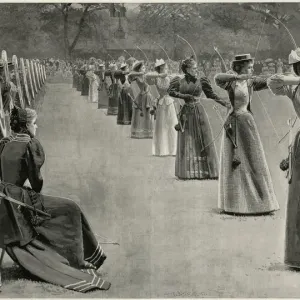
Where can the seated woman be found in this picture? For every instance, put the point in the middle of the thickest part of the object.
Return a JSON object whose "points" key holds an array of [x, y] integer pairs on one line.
{"points": [[61, 249]]}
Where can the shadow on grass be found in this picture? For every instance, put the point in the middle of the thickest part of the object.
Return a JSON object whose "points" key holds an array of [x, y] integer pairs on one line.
{"points": [[15, 272]]}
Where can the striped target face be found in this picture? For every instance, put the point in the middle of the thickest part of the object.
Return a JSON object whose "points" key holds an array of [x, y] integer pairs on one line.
{"points": [[30, 79], [24, 82], [18, 81]]}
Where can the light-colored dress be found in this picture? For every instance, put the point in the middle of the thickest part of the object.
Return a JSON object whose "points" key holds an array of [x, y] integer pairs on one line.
{"points": [[93, 86], [142, 121], [165, 136], [248, 188], [292, 236]]}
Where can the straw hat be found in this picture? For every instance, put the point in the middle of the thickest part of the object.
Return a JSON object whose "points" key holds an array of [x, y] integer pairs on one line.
{"points": [[137, 65], [243, 57], [159, 62]]}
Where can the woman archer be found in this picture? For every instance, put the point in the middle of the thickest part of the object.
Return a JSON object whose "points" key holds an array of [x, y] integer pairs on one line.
{"points": [[142, 123], [165, 136], [245, 184], [196, 156], [62, 249], [288, 85]]}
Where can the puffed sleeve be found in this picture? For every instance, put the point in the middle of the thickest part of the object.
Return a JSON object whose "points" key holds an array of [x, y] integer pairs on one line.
{"points": [[259, 83], [280, 89], [220, 80], [207, 89], [174, 89], [3, 142], [35, 158]]}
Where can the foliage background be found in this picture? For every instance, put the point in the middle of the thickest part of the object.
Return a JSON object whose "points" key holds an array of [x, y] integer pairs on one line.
{"points": [[37, 30]]}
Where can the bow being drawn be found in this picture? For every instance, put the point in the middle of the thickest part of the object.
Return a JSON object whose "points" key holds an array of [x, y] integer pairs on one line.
{"points": [[216, 108], [194, 53], [143, 53], [163, 50], [265, 109]]}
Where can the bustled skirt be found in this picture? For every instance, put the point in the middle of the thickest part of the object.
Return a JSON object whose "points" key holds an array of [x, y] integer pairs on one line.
{"points": [[165, 136], [248, 188], [142, 123], [196, 156], [292, 235], [125, 107], [64, 251]]}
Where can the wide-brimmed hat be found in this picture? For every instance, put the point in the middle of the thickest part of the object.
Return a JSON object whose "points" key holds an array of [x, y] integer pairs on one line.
{"points": [[137, 65], [294, 56], [243, 57], [159, 62]]}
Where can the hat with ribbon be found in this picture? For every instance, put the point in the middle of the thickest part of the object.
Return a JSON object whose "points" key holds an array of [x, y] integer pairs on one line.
{"points": [[243, 57], [159, 62], [294, 56]]}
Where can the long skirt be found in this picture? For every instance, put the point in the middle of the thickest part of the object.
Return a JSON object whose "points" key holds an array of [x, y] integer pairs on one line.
{"points": [[165, 136], [113, 99], [142, 123], [93, 92], [247, 188], [74, 82], [79, 83], [196, 158], [85, 86], [102, 98], [292, 235], [61, 250], [125, 107]]}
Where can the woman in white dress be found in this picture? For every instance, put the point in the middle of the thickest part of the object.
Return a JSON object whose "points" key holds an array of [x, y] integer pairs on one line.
{"points": [[93, 84], [165, 136]]}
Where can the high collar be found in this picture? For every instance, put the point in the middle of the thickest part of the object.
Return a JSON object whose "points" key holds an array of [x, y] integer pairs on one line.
{"points": [[189, 78]]}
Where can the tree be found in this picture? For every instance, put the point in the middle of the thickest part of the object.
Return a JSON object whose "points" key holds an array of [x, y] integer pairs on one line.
{"points": [[82, 12], [227, 26], [282, 21]]}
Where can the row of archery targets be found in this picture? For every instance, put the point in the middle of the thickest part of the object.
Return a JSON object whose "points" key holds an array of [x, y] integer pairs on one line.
{"points": [[30, 77]]}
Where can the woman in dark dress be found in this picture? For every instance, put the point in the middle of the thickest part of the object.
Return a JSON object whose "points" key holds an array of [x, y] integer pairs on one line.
{"points": [[196, 156], [85, 83], [62, 249], [125, 99]]}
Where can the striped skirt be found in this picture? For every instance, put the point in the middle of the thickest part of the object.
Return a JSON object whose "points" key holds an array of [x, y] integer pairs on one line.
{"points": [[195, 158], [61, 250]]}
